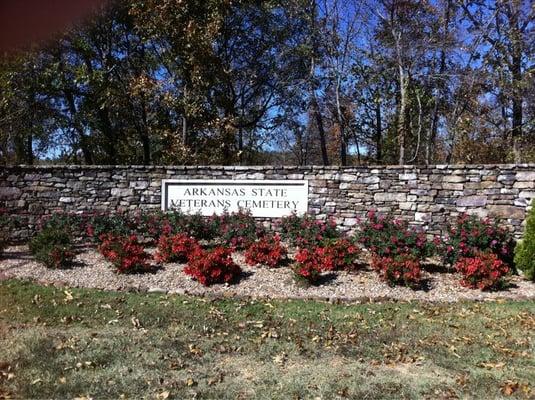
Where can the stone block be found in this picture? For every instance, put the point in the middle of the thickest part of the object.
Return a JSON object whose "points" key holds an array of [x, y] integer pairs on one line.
{"points": [[472, 201], [407, 206], [454, 179], [525, 176], [452, 186], [348, 177], [7, 193], [422, 217], [350, 221], [526, 194], [370, 180], [408, 177], [390, 197], [139, 185], [524, 185], [504, 211], [118, 192]]}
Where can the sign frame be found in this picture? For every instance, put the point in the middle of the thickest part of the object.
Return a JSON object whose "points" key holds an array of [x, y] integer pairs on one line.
{"points": [[232, 182]]}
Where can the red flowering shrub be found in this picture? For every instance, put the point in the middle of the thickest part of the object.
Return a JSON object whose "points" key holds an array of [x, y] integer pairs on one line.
{"points": [[306, 231], [340, 254], [237, 230], [307, 267], [400, 269], [334, 255], [386, 236], [59, 257], [125, 253], [267, 251], [175, 248], [215, 266], [484, 271], [470, 234]]}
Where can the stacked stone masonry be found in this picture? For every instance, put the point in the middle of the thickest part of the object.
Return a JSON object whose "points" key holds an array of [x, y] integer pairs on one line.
{"points": [[428, 196]]}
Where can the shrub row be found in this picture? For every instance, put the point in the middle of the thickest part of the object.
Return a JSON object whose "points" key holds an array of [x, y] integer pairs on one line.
{"points": [[477, 248]]}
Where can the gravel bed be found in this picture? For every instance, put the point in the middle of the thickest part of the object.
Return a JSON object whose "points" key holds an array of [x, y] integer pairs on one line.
{"points": [[93, 271]]}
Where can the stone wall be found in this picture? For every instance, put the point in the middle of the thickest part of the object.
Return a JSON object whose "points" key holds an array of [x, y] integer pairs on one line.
{"points": [[429, 196]]}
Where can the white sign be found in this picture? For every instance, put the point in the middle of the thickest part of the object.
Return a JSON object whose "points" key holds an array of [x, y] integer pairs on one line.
{"points": [[263, 198]]}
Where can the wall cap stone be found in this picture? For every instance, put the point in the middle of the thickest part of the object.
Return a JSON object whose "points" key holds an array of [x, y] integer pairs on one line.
{"points": [[463, 167]]}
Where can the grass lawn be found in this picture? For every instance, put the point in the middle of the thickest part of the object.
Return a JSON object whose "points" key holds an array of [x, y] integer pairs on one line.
{"points": [[67, 343]]}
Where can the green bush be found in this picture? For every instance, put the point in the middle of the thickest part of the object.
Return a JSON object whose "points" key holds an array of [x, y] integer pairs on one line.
{"points": [[8, 223], [101, 224], [4, 237], [525, 249], [305, 231], [52, 246], [5, 224]]}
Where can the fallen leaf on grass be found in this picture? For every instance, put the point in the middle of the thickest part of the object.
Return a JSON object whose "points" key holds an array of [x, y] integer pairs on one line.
{"points": [[280, 358], [68, 296], [163, 395], [136, 323], [490, 365], [462, 380], [509, 387], [194, 350], [190, 382], [215, 379]]}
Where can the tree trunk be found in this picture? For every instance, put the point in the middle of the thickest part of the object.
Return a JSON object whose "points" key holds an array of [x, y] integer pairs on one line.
{"points": [[341, 126], [321, 130], [378, 133], [184, 131], [71, 104], [516, 72], [343, 147], [240, 145], [402, 116], [83, 142], [431, 140], [314, 106], [104, 121], [29, 149], [144, 135]]}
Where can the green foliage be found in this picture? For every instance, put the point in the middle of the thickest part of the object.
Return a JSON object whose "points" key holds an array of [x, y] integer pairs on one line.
{"points": [[52, 246], [470, 234], [525, 249], [6, 224], [306, 231], [100, 224], [237, 229], [387, 236]]}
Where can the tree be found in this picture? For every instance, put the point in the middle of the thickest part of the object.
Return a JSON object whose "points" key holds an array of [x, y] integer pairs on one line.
{"points": [[507, 27]]}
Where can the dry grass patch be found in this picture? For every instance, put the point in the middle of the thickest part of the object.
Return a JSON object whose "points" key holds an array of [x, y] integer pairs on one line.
{"points": [[66, 343]]}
